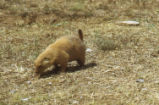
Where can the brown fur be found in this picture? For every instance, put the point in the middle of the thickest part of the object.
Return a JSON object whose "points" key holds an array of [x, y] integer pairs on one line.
{"points": [[64, 50]]}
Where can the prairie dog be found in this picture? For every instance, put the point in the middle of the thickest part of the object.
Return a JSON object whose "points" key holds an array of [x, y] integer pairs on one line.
{"points": [[62, 51]]}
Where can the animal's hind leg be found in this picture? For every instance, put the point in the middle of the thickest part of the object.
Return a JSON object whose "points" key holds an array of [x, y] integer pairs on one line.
{"points": [[63, 64], [56, 69], [81, 61], [63, 67]]}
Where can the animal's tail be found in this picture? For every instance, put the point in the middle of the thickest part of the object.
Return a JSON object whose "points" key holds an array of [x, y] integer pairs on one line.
{"points": [[80, 33]]}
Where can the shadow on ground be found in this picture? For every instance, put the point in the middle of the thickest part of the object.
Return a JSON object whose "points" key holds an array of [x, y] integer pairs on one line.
{"points": [[69, 70]]}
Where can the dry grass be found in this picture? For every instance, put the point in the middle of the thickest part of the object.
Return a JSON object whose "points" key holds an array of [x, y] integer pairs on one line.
{"points": [[105, 44], [110, 77]]}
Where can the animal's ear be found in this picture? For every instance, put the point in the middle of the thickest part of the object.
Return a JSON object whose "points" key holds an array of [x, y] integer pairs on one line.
{"points": [[46, 61]]}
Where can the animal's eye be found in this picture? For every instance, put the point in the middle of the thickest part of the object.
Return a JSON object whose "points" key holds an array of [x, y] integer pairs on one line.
{"points": [[46, 59]]}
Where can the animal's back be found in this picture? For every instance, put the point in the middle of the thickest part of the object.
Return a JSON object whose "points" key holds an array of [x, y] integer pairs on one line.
{"points": [[73, 45]]}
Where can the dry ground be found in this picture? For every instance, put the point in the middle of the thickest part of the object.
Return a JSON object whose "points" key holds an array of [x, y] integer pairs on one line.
{"points": [[122, 69]]}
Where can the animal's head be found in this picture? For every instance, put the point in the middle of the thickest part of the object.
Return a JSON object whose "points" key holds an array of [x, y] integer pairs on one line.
{"points": [[41, 63]]}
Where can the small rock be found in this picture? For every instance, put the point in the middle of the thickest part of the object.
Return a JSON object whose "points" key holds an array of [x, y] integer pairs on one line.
{"points": [[89, 50], [12, 91], [25, 99], [140, 80], [75, 102], [28, 82], [144, 89], [50, 83], [133, 23]]}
